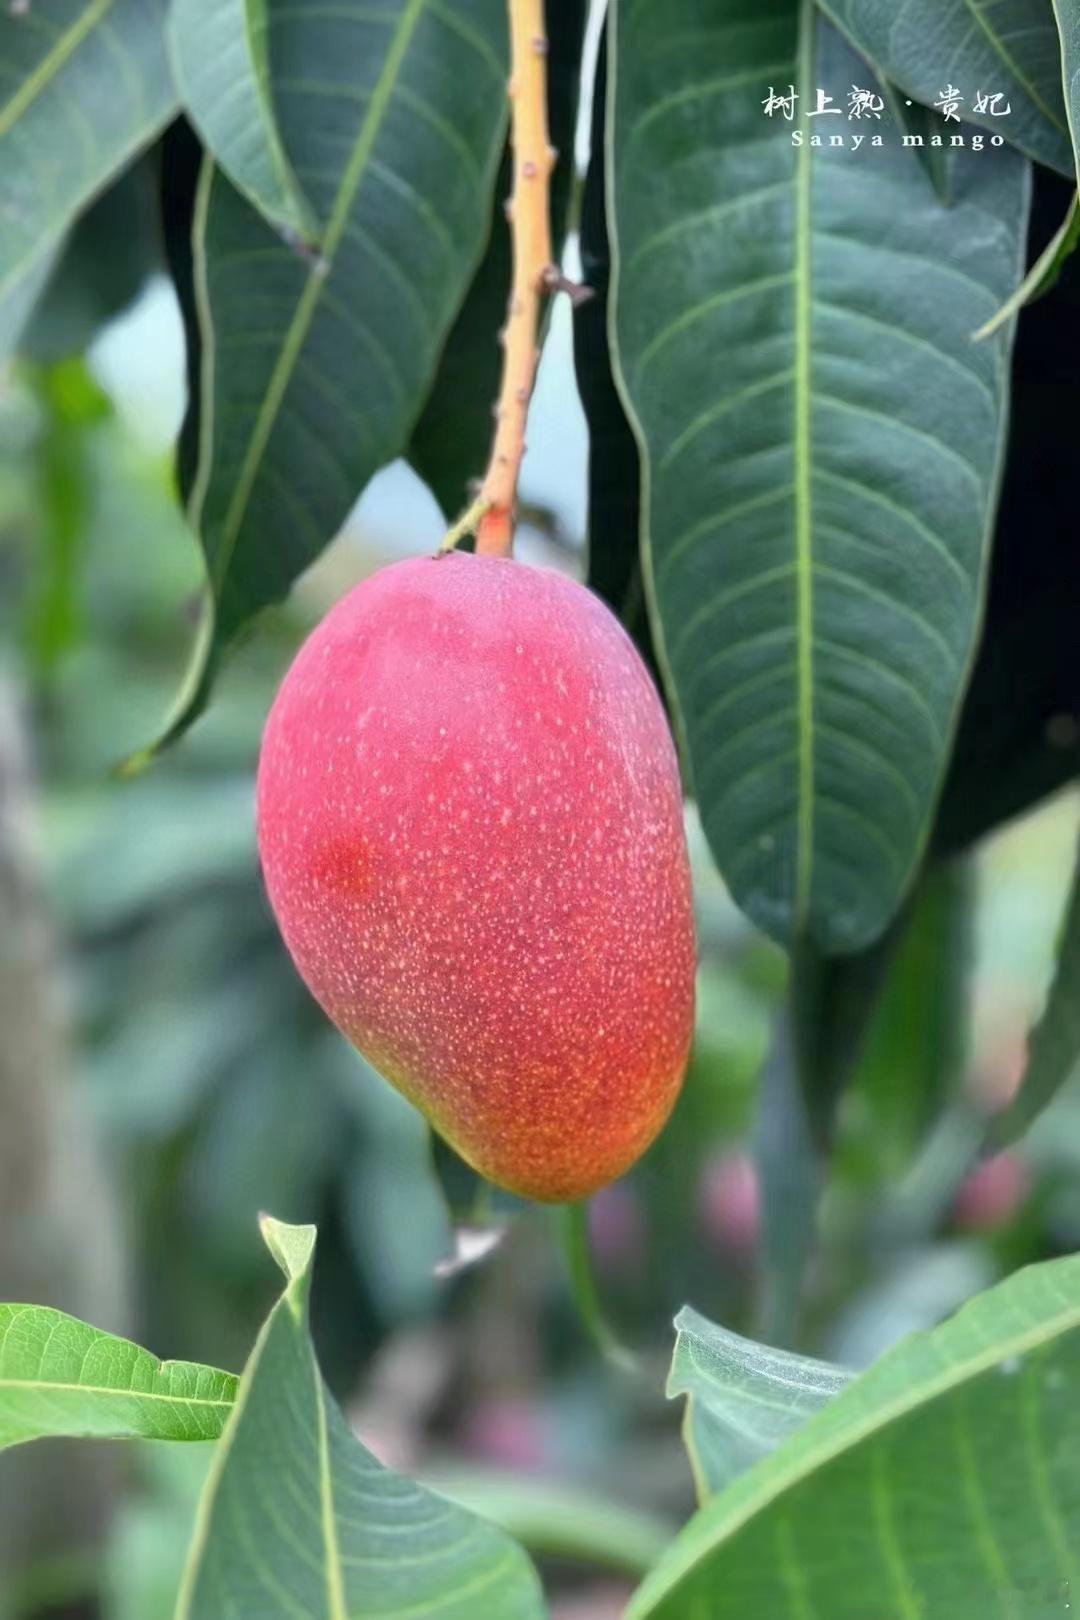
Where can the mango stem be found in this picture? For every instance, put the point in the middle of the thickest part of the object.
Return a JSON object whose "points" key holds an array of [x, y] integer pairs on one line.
{"points": [[529, 214]]}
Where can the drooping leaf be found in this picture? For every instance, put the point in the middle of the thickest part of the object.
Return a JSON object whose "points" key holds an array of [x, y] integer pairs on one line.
{"points": [[983, 48], [298, 1520], [21, 291], [58, 1376], [315, 367], [880, 1030], [221, 53], [450, 443], [85, 85], [1019, 740], [941, 1482], [181, 162], [912, 1058], [743, 1399], [819, 503], [1054, 1046], [107, 258]]}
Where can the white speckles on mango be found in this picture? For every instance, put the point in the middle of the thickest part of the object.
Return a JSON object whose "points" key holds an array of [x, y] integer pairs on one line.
{"points": [[470, 824]]}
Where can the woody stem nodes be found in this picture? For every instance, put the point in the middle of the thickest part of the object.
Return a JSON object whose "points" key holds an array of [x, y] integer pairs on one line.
{"points": [[529, 214]]}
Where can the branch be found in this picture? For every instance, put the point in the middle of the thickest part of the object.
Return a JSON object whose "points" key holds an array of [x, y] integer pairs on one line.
{"points": [[529, 214]]}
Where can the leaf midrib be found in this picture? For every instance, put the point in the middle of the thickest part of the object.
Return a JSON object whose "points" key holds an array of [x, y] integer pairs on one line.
{"points": [[51, 63], [50, 1387], [335, 1588], [803, 495], [952, 1376], [313, 288]]}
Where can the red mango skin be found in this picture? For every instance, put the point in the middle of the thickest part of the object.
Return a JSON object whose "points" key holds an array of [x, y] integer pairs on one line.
{"points": [[471, 831]]}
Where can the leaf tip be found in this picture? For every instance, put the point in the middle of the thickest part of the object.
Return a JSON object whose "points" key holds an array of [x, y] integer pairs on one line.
{"points": [[189, 704], [291, 1246]]}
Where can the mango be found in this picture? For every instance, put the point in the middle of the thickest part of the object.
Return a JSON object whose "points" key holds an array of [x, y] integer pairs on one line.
{"points": [[470, 826]]}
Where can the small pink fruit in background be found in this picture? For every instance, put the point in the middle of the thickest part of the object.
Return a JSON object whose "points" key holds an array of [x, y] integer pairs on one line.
{"points": [[470, 824], [992, 1194], [506, 1432], [729, 1203]]}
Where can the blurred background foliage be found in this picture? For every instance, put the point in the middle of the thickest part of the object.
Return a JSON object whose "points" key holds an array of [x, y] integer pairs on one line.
{"points": [[209, 1087]]}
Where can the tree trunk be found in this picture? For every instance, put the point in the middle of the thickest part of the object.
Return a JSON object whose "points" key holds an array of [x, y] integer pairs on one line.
{"points": [[58, 1237]]}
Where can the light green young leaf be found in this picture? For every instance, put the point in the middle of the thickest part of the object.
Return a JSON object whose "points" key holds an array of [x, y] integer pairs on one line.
{"points": [[221, 55], [83, 85], [943, 1482], [299, 1522], [1007, 48], [821, 444], [742, 1399], [58, 1376], [1054, 1046]]}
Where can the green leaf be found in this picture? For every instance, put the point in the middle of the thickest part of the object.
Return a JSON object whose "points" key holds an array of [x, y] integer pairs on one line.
{"points": [[315, 369], [1020, 740], [742, 1399], [59, 1376], [819, 1040], [980, 46], [181, 164], [1043, 274], [86, 84], [106, 260], [942, 1482], [561, 1521], [450, 443], [818, 506], [221, 56], [1067, 17], [912, 1059], [614, 552], [833, 1001], [1054, 1046], [20, 293], [298, 1520], [918, 122]]}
